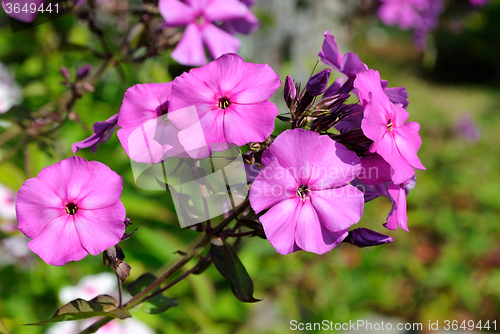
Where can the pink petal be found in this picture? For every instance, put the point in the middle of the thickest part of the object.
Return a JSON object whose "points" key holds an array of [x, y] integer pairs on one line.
{"points": [[417, 141], [222, 10], [397, 216], [189, 51], [374, 125], [259, 84], [351, 64], [103, 189], [218, 41], [37, 204], [58, 243], [141, 103], [101, 228], [399, 115], [67, 178], [257, 120], [338, 208], [279, 225], [311, 235], [401, 169], [374, 170], [176, 13], [273, 185], [404, 138], [370, 90], [313, 159]]}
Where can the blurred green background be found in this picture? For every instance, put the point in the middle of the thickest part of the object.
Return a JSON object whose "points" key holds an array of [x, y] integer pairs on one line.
{"points": [[446, 267]]}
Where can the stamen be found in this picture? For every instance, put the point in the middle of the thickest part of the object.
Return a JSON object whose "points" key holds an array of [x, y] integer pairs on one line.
{"points": [[389, 125], [301, 192], [224, 102], [71, 209]]}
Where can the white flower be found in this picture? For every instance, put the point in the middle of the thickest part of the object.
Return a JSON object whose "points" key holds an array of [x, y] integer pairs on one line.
{"points": [[10, 93], [7, 202]]}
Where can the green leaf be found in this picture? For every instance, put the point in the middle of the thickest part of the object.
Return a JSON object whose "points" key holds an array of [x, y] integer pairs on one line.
{"points": [[3, 328], [78, 309], [158, 303], [229, 265]]}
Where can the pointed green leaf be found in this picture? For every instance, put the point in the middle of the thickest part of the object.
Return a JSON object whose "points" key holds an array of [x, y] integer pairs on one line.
{"points": [[78, 309], [229, 265], [155, 305]]}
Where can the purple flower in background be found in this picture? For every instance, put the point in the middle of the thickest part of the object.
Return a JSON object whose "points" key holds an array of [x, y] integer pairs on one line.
{"points": [[244, 25], [102, 133], [478, 3], [420, 15], [384, 123], [71, 209], [29, 15], [305, 186], [466, 128], [363, 237], [231, 101], [146, 134], [199, 17]]}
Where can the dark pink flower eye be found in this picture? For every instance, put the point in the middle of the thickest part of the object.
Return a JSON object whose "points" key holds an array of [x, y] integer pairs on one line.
{"points": [[224, 102], [71, 209]]}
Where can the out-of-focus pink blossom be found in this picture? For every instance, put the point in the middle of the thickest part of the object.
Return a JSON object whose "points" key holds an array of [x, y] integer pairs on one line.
{"points": [[199, 17], [305, 186], [71, 209], [230, 98]]}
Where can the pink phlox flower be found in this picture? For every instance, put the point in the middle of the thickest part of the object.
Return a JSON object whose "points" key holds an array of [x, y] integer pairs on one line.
{"points": [[384, 123], [230, 98], [71, 209], [244, 25], [146, 134], [305, 189], [199, 17]]}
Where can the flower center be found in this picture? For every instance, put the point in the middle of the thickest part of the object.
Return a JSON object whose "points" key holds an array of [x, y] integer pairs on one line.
{"points": [[389, 125], [162, 109], [200, 20], [224, 102], [71, 209], [302, 192]]}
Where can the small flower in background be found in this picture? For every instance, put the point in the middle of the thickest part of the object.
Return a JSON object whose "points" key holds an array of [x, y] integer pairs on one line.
{"points": [[244, 25], [71, 209], [89, 287], [10, 93], [146, 134], [13, 250], [26, 16], [363, 237], [420, 15], [466, 128], [396, 140], [199, 17], [231, 101], [478, 3], [7, 203], [102, 133], [305, 186]]}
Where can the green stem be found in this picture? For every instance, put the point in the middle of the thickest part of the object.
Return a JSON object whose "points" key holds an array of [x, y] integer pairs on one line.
{"points": [[197, 249]]}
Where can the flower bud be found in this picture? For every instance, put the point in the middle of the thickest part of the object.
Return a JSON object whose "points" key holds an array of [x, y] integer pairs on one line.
{"points": [[318, 83], [289, 91], [363, 237], [65, 73], [83, 71]]}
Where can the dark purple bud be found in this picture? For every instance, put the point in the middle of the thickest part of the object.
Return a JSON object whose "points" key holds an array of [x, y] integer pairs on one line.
{"points": [[83, 71], [65, 73], [289, 91], [363, 237], [102, 133], [318, 83]]}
